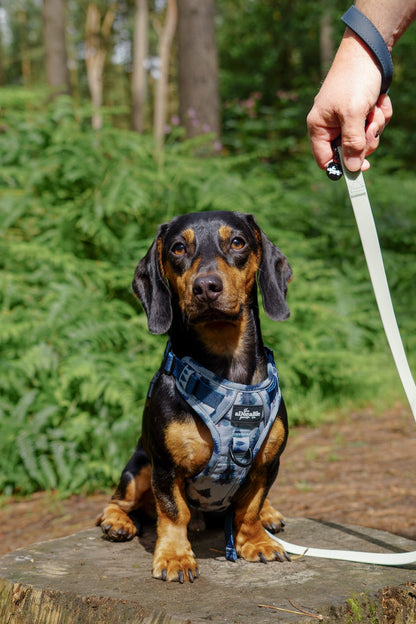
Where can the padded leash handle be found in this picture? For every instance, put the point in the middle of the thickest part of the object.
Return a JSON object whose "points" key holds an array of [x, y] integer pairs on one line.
{"points": [[369, 34]]}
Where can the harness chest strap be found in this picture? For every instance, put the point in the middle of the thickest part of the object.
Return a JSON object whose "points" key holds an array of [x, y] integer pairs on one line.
{"points": [[238, 416]]}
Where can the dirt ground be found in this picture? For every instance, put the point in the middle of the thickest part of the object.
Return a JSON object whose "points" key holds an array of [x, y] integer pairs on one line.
{"points": [[359, 469]]}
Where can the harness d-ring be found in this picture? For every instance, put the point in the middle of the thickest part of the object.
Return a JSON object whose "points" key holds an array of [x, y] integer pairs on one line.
{"points": [[242, 464]]}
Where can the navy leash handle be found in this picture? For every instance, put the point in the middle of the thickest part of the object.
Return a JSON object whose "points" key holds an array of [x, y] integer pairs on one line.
{"points": [[368, 33]]}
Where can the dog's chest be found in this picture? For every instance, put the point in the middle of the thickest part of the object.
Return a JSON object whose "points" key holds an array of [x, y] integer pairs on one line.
{"points": [[238, 418]]}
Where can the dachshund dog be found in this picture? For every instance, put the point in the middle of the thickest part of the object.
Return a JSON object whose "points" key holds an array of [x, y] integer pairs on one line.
{"points": [[215, 424]]}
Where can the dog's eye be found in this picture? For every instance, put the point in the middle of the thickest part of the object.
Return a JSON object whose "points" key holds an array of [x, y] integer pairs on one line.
{"points": [[179, 249], [237, 243]]}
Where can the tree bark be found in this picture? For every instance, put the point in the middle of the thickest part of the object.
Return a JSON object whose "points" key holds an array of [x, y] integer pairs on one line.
{"points": [[2, 76], [95, 53], [199, 104], [326, 40], [161, 93], [55, 47], [26, 67], [139, 78]]}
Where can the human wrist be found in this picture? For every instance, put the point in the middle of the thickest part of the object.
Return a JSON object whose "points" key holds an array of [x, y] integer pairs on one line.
{"points": [[354, 54], [379, 13], [364, 28], [390, 17]]}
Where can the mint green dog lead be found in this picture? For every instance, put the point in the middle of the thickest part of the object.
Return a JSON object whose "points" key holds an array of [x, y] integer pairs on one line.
{"points": [[368, 233]]}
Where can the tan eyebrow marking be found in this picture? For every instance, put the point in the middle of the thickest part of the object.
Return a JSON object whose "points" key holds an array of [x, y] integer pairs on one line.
{"points": [[188, 236], [225, 232]]}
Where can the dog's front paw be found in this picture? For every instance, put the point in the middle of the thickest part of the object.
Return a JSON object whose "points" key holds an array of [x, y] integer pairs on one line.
{"points": [[271, 519], [116, 524], [256, 545], [171, 565]]}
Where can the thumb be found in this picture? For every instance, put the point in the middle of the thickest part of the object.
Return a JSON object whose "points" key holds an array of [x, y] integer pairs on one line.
{"points": [[353, 143]]}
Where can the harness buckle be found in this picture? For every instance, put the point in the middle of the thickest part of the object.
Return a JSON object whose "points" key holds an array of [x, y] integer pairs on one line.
{"points": [[169, 363]]}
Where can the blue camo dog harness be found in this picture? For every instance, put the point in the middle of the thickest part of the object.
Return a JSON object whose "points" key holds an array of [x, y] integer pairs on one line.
{"points": [[239, 418]]}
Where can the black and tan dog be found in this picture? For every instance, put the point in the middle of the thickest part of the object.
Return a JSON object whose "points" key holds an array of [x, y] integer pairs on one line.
{"points": [[198, 283]]}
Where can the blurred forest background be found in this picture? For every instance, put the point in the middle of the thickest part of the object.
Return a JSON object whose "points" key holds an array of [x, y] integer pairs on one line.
{"points": [[116, 116]]}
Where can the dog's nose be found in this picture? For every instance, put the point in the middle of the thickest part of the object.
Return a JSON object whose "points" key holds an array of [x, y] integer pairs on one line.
{"points": [[207, 287]]}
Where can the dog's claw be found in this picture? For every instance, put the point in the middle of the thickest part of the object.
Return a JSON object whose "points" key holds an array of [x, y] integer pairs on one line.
{"points": [[115, 524], [181, 576], [275, 527], [287, 557], [279, 557], [190, 576], [262, 558], [164, 575]]}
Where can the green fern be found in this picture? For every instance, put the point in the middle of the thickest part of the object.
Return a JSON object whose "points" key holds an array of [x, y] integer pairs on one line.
{"points": [[78, 210]]}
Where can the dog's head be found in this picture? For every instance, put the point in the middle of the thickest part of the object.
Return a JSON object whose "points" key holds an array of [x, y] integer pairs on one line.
{"points": [[207, 262]]}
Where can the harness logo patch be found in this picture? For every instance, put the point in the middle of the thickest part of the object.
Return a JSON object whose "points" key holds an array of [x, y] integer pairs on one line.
{"points": [[246, 415]]}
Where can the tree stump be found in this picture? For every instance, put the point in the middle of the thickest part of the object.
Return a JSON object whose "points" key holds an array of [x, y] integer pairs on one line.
{"points": [[84, 578]]}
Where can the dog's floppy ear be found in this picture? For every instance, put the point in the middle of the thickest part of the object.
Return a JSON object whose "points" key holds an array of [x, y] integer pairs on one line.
{"points": [[273, 276], [153, 291]]}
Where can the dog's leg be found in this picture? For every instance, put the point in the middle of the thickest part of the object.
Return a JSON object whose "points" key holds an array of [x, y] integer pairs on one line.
{"points": [[252, 541], [271, 519], [133, 492], [173, 558]]}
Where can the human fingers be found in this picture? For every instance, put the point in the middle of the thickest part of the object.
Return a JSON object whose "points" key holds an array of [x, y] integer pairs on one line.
{"points": [[386, 107], [376, 122], [323, 128], [361, 137], [322, 148], [353, 141]]}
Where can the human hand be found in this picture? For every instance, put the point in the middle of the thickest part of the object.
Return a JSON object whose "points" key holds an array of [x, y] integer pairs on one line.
{"points": [[349, 104]]}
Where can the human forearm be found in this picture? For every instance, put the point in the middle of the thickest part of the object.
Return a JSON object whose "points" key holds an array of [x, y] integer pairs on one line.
{"points": [[390, 17]]}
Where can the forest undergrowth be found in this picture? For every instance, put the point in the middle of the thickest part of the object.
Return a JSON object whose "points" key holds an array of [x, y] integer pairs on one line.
{"points": [[78, 209]]}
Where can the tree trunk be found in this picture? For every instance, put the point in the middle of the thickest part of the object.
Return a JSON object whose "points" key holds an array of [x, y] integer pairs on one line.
{"points": [[2, 76], [95, 52], [198, 67], [26, 67], [139, 78], [161, 94], [326, 40], [55, 48]]}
